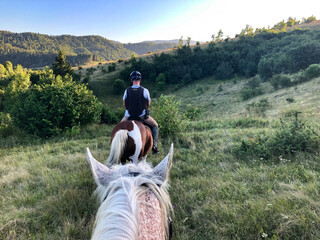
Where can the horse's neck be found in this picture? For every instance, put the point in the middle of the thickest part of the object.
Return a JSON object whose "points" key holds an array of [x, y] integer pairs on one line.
{"points": [[124, 216], [151, 224]]}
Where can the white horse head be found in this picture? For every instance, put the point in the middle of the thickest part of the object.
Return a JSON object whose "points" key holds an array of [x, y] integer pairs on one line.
{"points": [[134, 200]]}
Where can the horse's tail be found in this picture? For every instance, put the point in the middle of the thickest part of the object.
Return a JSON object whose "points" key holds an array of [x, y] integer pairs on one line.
{"points": [[117, 147]]}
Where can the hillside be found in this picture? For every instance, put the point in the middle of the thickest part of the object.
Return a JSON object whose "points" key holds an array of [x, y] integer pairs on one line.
{"points": [[145, 47], [38, 50], [216, 194]]}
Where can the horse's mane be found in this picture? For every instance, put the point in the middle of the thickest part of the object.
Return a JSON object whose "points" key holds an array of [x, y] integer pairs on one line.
{"points": [[119, 201]]}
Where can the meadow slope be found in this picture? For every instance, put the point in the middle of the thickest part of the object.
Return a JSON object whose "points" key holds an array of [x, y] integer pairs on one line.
{"points": [[46, 186]]}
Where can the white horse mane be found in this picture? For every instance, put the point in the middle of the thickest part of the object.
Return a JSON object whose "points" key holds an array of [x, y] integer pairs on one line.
{"points": [[118, 214]]}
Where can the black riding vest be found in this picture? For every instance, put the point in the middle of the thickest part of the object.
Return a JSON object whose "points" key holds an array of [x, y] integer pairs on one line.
{"points": [[135, 101]]}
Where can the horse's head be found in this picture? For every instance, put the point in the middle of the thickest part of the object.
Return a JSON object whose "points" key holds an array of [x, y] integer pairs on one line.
{"points": [[134, 199]]}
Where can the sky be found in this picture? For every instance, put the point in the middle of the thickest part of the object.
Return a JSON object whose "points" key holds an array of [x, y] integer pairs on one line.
{"points": [[131, 21]]}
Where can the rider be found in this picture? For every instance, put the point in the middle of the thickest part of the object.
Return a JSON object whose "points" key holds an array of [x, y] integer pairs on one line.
{"points": [[136, 100]]}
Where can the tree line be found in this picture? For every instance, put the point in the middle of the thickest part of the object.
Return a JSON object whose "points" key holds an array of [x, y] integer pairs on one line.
{"points": [[267, 53], [33, 50], [37, 50]]}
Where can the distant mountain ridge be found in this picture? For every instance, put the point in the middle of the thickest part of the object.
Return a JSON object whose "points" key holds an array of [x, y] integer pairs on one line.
{"points": [[38, 50]]}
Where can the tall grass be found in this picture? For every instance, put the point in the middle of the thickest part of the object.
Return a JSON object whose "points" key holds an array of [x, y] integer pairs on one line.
{"points": [[46, 186]]}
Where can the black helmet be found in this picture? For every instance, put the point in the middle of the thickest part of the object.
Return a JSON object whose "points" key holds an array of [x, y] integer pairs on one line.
{"points": [[135, 75]]}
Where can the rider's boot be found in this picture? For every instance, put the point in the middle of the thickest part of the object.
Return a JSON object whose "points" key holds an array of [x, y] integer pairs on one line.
{"points": [[155, 131]]}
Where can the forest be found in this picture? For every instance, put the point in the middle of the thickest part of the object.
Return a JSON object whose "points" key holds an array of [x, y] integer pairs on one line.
{"points": [[34, 50]]}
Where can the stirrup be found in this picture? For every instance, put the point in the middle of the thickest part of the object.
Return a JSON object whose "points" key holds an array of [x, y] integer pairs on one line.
{"points": [[155, 150]]}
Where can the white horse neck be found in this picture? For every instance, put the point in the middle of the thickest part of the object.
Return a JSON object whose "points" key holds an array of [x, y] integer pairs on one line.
{"points": [[132, 211]]}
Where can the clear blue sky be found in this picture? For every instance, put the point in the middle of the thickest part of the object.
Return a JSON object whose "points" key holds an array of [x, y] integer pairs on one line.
{"points": [[140, 20]]}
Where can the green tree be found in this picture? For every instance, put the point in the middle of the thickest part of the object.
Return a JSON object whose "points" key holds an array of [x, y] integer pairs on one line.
{"points": [[311, 19], [180, 42], [161, 81], [61, 66], [188, 41], [219, 36], [248, 31], [291, 22]]}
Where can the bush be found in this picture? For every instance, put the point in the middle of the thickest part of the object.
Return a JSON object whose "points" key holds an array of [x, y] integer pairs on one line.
{"points": [[161, 81], [50, 109], [166, 112], [109, 116], [281, 80], [224, 71], [313, 71], [253, 83], [192, 112], [258, 108], [118, 86], [186, 79], [293, 136], [290, 100], [6, 126], [248, 93], [86, 79], [300, 77], [112, 67]]}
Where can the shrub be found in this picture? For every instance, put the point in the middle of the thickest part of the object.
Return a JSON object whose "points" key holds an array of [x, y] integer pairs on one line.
{"points": [[293, 136], [281, 80], [186, 79], [313, 71], [161, 81], [86, 79], [290, 100], [118, 86], [6, 126], [109, 116], [166, 112], [192, 112], [53, 108], [112, 67], [300, 77], [224, 71], [258, 107], [253, 82], [248, 93]]}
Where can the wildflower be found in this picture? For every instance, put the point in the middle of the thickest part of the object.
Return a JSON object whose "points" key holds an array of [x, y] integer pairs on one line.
{"points": [[264, 235]]}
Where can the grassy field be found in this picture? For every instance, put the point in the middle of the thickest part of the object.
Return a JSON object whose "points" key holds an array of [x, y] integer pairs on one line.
{"points": [[46, 186]]}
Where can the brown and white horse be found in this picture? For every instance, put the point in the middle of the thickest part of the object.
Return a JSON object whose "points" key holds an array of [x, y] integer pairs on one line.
{"points": [[135, 204], [130, 140]]}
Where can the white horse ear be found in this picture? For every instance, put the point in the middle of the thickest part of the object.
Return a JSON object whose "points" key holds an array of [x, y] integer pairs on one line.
{"points": [[101, 173], [163, 168]]}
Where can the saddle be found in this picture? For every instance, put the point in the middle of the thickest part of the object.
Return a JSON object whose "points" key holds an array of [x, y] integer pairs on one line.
{"points": [[139, 120]]}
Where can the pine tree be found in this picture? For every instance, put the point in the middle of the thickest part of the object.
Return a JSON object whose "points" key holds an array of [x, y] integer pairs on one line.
{"points": [[61, 66]]}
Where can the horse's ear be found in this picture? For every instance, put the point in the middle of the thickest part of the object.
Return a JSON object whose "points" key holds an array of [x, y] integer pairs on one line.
{"points": [[163, 168], [101, 173]]}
